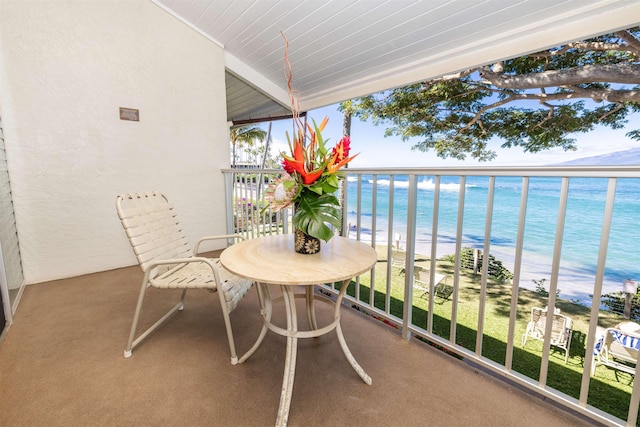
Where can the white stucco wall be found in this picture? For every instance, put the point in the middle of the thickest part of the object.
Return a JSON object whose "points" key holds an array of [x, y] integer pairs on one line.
{"points": [[65, 69]]}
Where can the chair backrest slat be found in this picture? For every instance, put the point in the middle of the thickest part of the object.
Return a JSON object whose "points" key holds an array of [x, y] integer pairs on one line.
{"points": [[536, 313], [559, 328], [152, 227]]}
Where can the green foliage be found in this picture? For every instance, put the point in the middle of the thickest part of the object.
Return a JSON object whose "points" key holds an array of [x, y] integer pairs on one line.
{"points": [[245, 137], [458, 116], [495, 269], [541, 290], [449, 258], [313, 212], [615, 301]]}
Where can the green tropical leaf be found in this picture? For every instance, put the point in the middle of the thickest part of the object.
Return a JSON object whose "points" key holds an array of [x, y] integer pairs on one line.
{"points": [[316, 187], [332, 180], [315, 213]]}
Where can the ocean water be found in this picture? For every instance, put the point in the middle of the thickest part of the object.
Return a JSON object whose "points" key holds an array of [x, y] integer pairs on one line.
{"points": [[582, 229]]}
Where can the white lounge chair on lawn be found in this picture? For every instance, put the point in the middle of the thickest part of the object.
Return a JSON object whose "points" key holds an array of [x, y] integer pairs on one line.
{"points": [[422, 279], [617, 349], [398, 258], [561, 330]]}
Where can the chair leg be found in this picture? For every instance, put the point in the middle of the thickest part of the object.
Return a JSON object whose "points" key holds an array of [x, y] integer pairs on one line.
{"points": [[227, 324], [182, 297], [266, 310], [569, 336], [131, 343], [129, 348]]}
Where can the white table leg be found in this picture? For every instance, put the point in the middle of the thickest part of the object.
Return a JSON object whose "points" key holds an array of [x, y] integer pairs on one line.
{"points": [[290, 361], [311, 311], [345, 349], [292, 334], [264, 299]]}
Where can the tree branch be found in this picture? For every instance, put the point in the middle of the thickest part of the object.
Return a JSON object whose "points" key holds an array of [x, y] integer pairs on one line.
{"points": [[549, 114], [597, 46], [619, 73], [463, 94], [455, 76], [609, 95], [544, 99], [482, 110], [628, 37], [618, 108], [632, 46]]}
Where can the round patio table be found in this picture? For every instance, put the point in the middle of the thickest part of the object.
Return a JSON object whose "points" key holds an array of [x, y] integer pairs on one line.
{"points": [[272, 260]]}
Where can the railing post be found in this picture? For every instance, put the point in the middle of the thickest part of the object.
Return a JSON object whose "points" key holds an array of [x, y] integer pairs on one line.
{"points": [[456, 271], [410, 255], [229, 178], [517, 263], [387, 303], [555, 269], [597, 290], [434, 249], [485, 266]]}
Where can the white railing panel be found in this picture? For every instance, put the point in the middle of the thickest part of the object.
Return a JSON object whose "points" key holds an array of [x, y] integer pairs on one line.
{"points": [[435, 211]]}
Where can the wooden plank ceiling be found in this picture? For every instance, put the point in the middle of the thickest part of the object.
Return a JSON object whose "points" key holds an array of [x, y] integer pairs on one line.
{"points": [[341, 49]]}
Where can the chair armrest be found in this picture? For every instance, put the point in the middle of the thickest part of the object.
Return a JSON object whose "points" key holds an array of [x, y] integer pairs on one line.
{"points": [[178, 264], [178, 261], [218, 237], [155, 264]]}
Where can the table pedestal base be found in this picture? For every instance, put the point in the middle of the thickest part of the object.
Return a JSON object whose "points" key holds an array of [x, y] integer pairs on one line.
{"points": [[292, 333]]}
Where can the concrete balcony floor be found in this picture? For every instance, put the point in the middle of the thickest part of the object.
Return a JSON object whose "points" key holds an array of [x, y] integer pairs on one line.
{"points": [[61, 363]]}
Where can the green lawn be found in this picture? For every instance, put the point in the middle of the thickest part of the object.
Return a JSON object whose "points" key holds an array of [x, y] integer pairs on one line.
{"points": [[609, 390]]}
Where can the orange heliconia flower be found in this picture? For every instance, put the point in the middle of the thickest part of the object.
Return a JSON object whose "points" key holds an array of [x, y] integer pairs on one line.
{"points": [[340, 155], [297, 164]]}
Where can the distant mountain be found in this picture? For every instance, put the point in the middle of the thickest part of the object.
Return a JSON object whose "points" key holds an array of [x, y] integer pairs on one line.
{"points": [[619, 158]]}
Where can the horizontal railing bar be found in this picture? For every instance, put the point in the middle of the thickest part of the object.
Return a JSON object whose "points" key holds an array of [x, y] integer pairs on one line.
{"points": [[531, 171]]}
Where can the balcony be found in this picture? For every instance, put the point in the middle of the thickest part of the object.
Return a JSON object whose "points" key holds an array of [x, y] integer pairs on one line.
{"points": [[432, 362], [62, 364]]}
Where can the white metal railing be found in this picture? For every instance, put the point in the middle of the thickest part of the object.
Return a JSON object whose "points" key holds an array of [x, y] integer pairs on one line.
{"points": [[435, 211]]}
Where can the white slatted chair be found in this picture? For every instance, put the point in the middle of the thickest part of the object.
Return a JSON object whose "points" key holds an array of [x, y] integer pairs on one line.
{"points": [[422, 279], [398, 259], [398, 256], [561, 329], [168, 262]]}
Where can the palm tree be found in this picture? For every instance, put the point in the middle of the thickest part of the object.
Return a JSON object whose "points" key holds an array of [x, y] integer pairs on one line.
{"points": [[347, 111], [244, 135]]}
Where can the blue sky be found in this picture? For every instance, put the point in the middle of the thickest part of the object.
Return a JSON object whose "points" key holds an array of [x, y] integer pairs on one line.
{"points": [[377, 151]]}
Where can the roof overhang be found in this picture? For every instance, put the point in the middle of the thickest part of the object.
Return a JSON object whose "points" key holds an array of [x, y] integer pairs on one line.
{"points": [[346, 49]]}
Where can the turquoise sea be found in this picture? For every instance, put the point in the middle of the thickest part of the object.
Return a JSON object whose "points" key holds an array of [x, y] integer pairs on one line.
{"points": [[582, 230]]}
